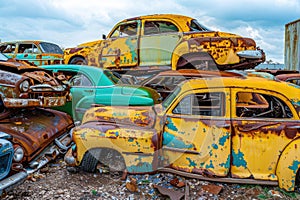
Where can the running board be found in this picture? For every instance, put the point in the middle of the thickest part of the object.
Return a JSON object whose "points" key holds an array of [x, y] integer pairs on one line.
{"points": [[224, 180]]}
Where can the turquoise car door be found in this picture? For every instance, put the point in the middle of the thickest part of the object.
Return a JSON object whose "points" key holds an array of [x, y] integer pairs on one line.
{"points": [[81, 87]]}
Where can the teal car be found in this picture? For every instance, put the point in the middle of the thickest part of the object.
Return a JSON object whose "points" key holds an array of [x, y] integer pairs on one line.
{"points": [[92, 85]]}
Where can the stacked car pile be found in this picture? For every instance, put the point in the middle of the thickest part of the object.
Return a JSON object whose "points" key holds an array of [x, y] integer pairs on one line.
{"points": [[31, 133], [188, 118]]}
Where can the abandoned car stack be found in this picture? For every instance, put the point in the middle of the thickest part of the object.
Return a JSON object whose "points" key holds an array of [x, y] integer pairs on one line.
{"points": [[159, 93]]}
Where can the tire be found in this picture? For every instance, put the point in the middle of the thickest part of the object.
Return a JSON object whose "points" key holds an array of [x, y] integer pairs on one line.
{"points": [[78, 61], [90, 160]]}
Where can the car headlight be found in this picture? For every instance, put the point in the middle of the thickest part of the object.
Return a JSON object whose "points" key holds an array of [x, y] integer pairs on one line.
{"points": [[24, 86], [19, 154]]}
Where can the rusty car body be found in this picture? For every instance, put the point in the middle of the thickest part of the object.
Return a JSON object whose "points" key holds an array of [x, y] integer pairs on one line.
{"points": [[9, 178], [167, 41], [25, 85], [227, 129], [38, 135], [33, 51]]}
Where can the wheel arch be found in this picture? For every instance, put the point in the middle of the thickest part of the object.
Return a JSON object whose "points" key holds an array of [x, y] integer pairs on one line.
{"points": [[74, 57]]}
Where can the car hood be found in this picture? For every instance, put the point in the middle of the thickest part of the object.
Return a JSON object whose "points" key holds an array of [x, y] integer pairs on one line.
{"points": [[143, 116], [39, 75], [34, 129]]}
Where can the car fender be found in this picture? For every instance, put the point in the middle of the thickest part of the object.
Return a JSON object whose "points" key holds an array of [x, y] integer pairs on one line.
{"points": [[110, 100], [288, 165], [138, 146]]}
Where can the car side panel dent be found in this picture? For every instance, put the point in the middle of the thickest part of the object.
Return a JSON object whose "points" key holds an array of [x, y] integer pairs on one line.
{"points": [[288, 166]]}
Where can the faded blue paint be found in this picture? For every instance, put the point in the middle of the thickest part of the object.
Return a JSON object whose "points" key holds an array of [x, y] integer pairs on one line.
{"points": [[223, 139], [140, 167], [210, 166], [238, 159], [295, 102], [132, 47], [215, 146], [171, 141], [295, 166], [227, 163], [130, 139], [171, 125], [192, 163]]}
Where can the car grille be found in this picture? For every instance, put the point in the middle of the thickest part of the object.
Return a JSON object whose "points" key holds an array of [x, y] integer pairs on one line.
{"points": [[37, 95], [4, 165]]}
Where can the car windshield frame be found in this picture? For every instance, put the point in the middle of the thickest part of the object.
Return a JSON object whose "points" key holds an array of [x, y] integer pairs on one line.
{"points": [[196, 26], [48, 47], [3, 57]]}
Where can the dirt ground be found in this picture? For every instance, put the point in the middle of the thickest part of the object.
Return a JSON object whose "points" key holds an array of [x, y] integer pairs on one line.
{"points": [[56, 182]]}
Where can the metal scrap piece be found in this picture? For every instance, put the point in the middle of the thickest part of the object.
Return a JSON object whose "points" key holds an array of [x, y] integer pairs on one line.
{"points": [[173, 194]]}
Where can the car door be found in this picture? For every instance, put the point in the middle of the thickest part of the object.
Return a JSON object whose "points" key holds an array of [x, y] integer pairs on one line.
{"points": [[158, 41], [120, 49], [196, 135], [264, 123]]}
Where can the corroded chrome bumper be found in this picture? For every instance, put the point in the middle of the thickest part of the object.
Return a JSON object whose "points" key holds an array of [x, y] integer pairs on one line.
{"points": [[10, 182], [42, 102], [60, 146]]}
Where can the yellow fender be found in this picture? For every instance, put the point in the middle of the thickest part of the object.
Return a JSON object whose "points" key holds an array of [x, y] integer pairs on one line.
{"points": [[288, 166]]}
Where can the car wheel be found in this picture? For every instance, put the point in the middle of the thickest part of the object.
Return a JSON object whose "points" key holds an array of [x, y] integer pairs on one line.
{"points": [[90, 160], [78, 61]]}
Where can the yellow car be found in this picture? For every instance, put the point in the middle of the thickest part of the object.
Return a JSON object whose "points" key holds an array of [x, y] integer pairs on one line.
{"points": [[228, 129], [167, 41]]}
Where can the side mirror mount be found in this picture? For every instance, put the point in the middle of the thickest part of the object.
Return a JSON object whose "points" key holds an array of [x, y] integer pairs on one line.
{"points": [[103, 36]]}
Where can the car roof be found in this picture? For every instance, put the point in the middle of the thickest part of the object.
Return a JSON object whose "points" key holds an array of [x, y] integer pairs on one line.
{"points": [[153, 16], [287, 76], [200, 73], [291, 91]]}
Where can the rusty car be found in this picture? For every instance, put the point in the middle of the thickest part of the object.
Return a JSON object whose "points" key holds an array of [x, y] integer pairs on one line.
{"points": [[225, 129], [25, 85], [34, 51], [166, 41], [93, 85], [9, 177], [39, 135], [291, 78]]}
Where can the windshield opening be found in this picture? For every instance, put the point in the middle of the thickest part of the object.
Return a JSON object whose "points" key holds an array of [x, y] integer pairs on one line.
{"points": [[196, 26], [171, 97], [50, 48]]}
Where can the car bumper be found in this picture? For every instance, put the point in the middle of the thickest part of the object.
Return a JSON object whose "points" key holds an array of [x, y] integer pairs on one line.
{"points": [[42, 102], [70, 159], [59, 146], [10, 182], [251, 54]]}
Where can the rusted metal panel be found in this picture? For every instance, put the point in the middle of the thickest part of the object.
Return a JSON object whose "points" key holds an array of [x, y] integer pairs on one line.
{"points": [[34, 129], [292, 45]]}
